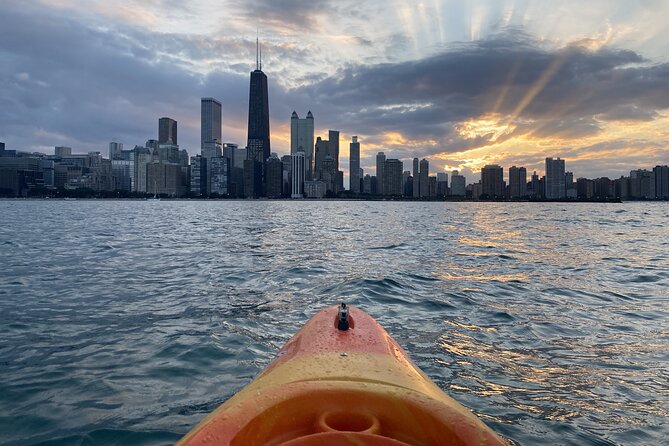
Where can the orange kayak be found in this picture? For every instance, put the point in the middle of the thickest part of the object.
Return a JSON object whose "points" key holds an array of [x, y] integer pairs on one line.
{"points": [[341, 380]]}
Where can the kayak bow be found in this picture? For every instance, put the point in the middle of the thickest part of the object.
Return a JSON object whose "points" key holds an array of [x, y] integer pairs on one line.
{"points": [[341, 380]]}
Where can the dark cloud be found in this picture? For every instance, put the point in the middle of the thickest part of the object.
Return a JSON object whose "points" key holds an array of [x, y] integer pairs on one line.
{"points": [[67, 81]]}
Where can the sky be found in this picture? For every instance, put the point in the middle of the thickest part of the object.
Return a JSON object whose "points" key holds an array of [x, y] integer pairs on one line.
{"points": [[461, 83]]}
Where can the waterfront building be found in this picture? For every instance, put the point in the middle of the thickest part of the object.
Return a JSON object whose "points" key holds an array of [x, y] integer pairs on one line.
{"points": [[517, 182], [286, 167], [604, 188], [230, 152], [492, 181], [164, 179], [66, 151], [142, 157], [367, 184], [302, 139], [198, 176], [115, 149], [322, 149], [218, 174], [258, 144], [380, 163], [458, 188], [476, 190], [555, 179], [661, 174], [123, 171], [19, 174], [416, 180], [274, 176], [622, 186], [210, 122], [432, 186], [333, 149], [167, 131], [570, 186], [585, 188], [423, 178], [314, 189], [354, 165], [297, 174], [407, 183], [442, 184], [253, 178], [392, 177]]}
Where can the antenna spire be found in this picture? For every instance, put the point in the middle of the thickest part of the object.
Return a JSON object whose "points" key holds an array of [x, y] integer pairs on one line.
{"points": [[261, 58], [257, 51]]}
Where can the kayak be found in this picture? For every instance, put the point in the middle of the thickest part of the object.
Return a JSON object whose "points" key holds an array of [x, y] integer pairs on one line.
{"points": [[341, 380]]}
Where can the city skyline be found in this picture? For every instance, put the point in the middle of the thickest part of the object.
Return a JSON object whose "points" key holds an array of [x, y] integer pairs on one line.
{"points": [[538, 98]]}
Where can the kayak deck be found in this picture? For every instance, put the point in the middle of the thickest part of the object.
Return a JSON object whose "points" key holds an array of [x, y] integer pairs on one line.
{"points": [[341, 387]]}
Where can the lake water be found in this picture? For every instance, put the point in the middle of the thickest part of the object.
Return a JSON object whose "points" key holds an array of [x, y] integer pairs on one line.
{"points": [[126, 322]]}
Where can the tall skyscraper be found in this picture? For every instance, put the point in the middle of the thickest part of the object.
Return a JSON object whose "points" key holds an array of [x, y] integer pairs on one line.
{"points": [[333, 138], [354, 165], [258, 145], [555, 179], [517, 182], [392, 177], [492, 181], [416, 173], [167, 131], [297, 175], [424, 178], [380, 164], [210, 121], [661, 174], [302, 139]]}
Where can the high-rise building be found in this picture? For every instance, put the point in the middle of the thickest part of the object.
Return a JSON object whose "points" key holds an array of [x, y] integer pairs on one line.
{"points": [[163, 178], [67, 151], [407, 181], [302, 139], [661, 174], [210, 122], [380, 163], [354, 165], [167, 131], [198, 176], [297, 175], [555, 179], [416, 173], [517, 182], [218, 175], [442, 184], [333, 142], [458, 186], [115, 149], [287, 166], [392, 177], [322, 149], [123, 171], [492, 181], [142, 158], [274, 176], [229, 152], [367, 184], [258, 145], [423, 179]]}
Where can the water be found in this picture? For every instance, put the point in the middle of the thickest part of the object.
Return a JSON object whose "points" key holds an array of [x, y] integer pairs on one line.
{"points": [[127, 322]]}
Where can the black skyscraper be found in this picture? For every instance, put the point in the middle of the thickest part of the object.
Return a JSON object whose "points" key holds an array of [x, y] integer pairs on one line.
{"points": [[258, 138]]}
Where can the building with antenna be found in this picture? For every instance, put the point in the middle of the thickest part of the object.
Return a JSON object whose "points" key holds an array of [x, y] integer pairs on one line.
{"points": [[258, 143]]}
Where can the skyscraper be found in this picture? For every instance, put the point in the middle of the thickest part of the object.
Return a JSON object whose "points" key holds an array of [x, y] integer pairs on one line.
{"points": [[210, 121], [167, 131], [661, 174], [274, 176], [297, 175], [555, 179], [423, 178], [492, 181], [302, 138], [392, 177], [380, 164], [517, 182], [354, 165], [416, 186], [258, 145], [333, 138], [115, 149], [458, 188]]}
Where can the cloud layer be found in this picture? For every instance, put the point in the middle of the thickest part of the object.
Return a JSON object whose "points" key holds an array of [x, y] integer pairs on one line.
{"points": [[84, 77]]}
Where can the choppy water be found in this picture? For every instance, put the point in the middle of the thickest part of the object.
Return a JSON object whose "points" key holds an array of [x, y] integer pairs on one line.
{"points": [[127, 322]]}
